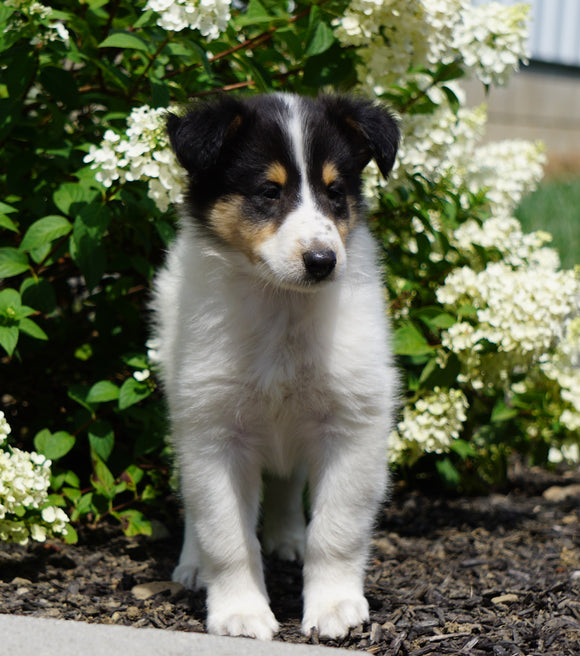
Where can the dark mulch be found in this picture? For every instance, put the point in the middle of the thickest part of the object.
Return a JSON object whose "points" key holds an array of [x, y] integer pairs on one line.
{"points": [[494, 575]]}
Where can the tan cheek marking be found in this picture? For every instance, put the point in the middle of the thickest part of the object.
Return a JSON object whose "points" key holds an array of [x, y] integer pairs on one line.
{"points": [[227, 221], [344, 227], [277, 173], [329, 173]]}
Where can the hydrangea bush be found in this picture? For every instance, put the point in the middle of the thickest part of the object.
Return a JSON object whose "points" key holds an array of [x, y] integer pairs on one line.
{"points": [[26, 511], [486, 323]]}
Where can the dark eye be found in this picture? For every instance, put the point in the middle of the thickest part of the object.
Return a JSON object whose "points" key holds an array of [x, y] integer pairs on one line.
{"points": [[335, 191], [271, 191]]}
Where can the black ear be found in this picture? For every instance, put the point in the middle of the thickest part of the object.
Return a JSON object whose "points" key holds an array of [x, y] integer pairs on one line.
{"points": [[199, 137], [369, 126]]}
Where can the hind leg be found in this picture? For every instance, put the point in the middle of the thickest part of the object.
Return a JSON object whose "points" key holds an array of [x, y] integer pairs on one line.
{"points": [[284, 527], [187, 570]]}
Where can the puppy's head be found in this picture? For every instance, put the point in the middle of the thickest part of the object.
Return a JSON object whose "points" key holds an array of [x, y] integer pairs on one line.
{"points": [[278, 177]]}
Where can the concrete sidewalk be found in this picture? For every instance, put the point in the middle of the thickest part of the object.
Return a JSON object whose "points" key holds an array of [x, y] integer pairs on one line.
{"points": [[32, 636]]}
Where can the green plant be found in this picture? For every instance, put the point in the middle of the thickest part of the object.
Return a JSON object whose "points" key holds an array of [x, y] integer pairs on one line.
{"points": [[86, 214]]}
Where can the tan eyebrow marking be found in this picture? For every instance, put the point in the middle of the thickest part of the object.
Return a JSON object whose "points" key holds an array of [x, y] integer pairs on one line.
{"points": [[329, 173], [277, 173]]}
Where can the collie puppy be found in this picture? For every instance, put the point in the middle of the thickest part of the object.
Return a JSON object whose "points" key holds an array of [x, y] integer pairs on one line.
{"points": [[274, 353]]}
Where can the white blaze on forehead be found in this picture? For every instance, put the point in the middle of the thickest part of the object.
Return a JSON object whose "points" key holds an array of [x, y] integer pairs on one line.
{"points": [[295, 130]]}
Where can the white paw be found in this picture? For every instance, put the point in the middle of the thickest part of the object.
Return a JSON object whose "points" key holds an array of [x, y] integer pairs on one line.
{"points": [[286, 544], [187, 575], [334, 618], [241, 617]]}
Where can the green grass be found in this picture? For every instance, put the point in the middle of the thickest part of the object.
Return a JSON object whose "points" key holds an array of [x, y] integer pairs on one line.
{"points": [[555, 208]]}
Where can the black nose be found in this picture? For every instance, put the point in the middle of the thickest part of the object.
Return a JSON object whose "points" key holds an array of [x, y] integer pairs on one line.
{"points": [[319, 264]]}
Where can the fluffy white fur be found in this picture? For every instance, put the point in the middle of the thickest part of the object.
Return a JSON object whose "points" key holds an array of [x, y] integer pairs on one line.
{"points": [[299, 384]]}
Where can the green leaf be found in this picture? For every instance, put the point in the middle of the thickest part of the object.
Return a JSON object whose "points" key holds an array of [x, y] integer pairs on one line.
{"points": [[448, 472], [134, 522], [467, 311], [434, 318], [132, 392], [70, 536], [103, 391], [331, 67], [7, 223], [7, 209], [408, 340], [255, 14], [102, 439], [10, 303], [102, 479], [124, 40], [12, 262], [84, 506], [54, 445], [463, 449], [70, 194], [32, 329], [502, 412], [44, 231], [38, 293], [136, 360], [79, 393], [9, 338], [321, 40], [86, 246]]}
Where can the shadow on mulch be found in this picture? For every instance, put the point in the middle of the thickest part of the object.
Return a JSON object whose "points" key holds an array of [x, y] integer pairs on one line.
{"points": [[489, 575]]}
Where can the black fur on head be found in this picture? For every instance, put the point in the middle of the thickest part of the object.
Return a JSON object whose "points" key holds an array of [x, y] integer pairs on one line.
{"points": [[228, 144]]}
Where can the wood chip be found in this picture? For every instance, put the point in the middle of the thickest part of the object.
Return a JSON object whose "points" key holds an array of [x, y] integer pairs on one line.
{"points": [[505, 599]]}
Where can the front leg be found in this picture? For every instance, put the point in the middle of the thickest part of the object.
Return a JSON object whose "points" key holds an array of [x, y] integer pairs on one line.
{"points": [[221, 489], [346, 489]]}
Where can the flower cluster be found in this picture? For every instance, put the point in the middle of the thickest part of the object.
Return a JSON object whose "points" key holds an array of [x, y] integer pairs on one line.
{"points": [[491, 39], [142, 153], [517, 315], [392, 35], [210, 17], [429, 425], [504, 234], [507, 169], [564, 368], [24, 509], [35, 16], [438, 144]]}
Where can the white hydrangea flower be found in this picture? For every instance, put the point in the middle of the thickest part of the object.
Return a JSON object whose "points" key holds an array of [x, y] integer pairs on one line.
{"points": [[491, 39], [429, 425], [5, 429], [521, 312], [568, 452], [210, 17], [563, 367], [142, 153], [24, 483], [505, 234], [507, 169], [141, 375], [35, 13], [437, 144], [393, 34]]}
